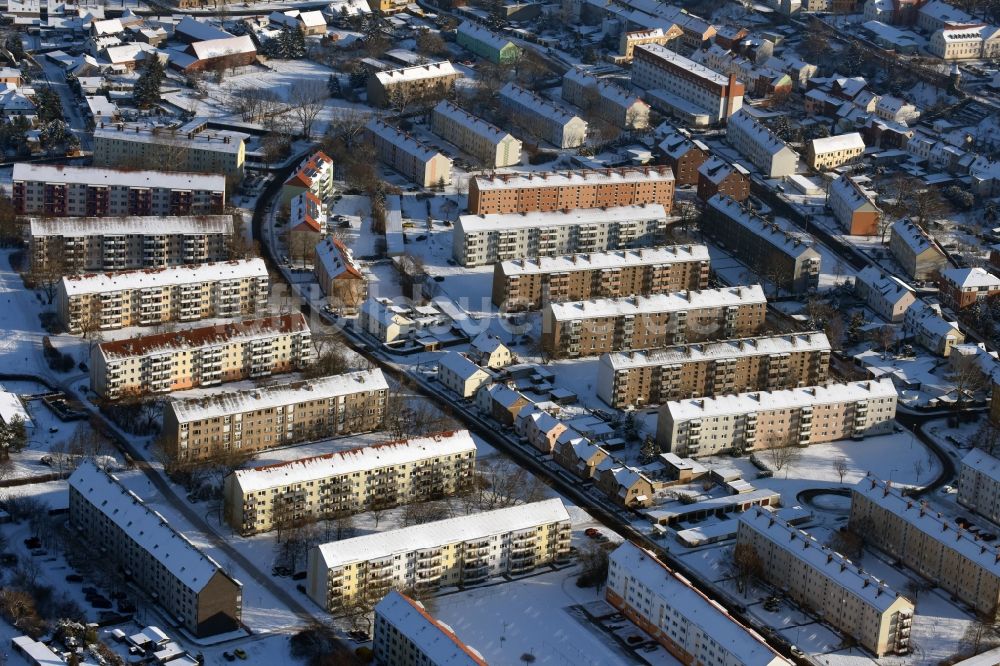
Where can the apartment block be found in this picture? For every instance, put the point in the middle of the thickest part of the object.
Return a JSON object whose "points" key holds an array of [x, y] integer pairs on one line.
{"points": [[197, 429], [769, 363], [405, 634], [542, 118], [793, 417], [610, 102], [779, 256], [716, 176], [919, 254], [550, 191], [77, 244], [261, 499], [684, 86], [339, 275], [191, 147], [478, 240], [314, 175], [684, 155], [415, 160], [834, 151], [198, 357], [153, 296], [456, 551], [761, 146], [192, 588], [67, 191], [589, 328], [925, 322], [489, 144], [409, 85], [922, 539], [813, 576], [485, 43], [979, 484], [854, 206], [961, 288], [887, 295], [527, 284], [692, 627]]}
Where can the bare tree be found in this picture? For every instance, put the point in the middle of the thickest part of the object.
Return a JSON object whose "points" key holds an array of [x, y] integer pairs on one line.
{"points": [[745, 565], [983, 633], [846, 543], [841, 467], [966, 376], [885, 337], [781, 452], [307, 98]]}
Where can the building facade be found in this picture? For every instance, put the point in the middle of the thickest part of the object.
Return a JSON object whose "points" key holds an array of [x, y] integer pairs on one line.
{"points": [[888, 296], [686, 83], [854, 207], [405, 634], [684, 155], [606, 100], [409, 85], [542, 118], [718, 177], [489, 144], [919, 255], [979, 483], [834, 151], [486, 44], [961, 288], [339, 276], [314, 175], [415, 160], [761, 146], [926, 324], [192, 147]]}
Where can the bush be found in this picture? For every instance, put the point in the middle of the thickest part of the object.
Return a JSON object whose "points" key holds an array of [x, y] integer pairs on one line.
{"points": [[57, 360], [542, 157]]}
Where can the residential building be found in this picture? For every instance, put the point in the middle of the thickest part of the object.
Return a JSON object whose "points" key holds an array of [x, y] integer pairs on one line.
{"points": [[683, 86], [768, 363], [310, 23], [464, 550], [692, 627], [854, 206], [759, 420], [718, 177], [816, 577], [415, 160], [193, 589], [604, 99], [478, 240], [239, 422], [761, 146], [78, 244], [198, 357], [501, 403], [307, 225], [191, 147], [541, 429], [230, 52], [339, 276], [580, 456], [543, 118], [784, 258], [153, 296], [589, 328], [925, 323], [920, 538], [489, 351], [314, 174], [260, 499], [67, 191], [685, 156], [489, 144], [401, 87], [937, 14], [551, 191], [405, 634], [527, 284], [919, 255], [834, 151], [628, 487], [961, 288], [629, 40], [979, 484], [887, 295], [388, 322], [896, 109], [457, 373], [972, 42], [487, 44]]}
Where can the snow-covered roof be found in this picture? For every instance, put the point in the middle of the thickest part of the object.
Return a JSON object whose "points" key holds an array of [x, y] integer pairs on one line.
{"points": [[705, 351], [278, 395], [971, 278], [310, 168], [338, 463], [765, 401], [11, 407], [313, 19], [946, 13], [148, 278], [460, 365], [649, 256], [504, 221], [676, 145], [484, 35], [830, 144], [416, 73], [220, 141], [670, 302], [982, 462], [432, 638], [337, 258], [605, 89], [199, 30], [177, 180], [131, 226], [403, 141], [573, 178], [218, 48], [851, 192], [476, 125], [443, 532], [145, 527], [107, 27], [716, 169], [789, 244], [504, 396], [529, 100], [929, 318], [679, 61], [915, 238], [892, 288], [487, 343], [761, 136]]}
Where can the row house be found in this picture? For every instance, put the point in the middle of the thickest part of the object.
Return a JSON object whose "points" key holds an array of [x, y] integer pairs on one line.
{"points": [[916, 251], [489, 144], [410, 157], [608, 101], [410, 85], [541, 429], [581, 457], [925, 323], [501, 403], [460, 375], [685, 87], [854, 207], [761, 146], [543, 118], [628, 487], [887, 295]]}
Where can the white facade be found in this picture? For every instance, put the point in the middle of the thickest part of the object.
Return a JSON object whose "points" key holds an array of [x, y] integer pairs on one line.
{"points": [[543, 118], [759, 145]]}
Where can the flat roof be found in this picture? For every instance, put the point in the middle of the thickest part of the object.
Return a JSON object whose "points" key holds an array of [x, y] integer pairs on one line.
{"points": [[131, 226], [669, 302], [148, 278], [572, 178], [586, 261], [705, 351]]}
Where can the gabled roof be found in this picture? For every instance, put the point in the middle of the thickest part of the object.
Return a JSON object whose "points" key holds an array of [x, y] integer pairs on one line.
{"points": [[971, 278], [337, 259], [431, 637]]}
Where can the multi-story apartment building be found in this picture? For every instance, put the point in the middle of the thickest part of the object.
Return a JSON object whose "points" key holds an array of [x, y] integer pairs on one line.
{"points": [[542, 118], [979, 484], [715, 176], [68, 191], [153, 296], [887, 295], [834, 151], [409, 85], [629, 40], [204, 356], [192, 588], [682, 83], [589, 328], [551, 191], [919, 255], [489, 144], [412, 158], [485, 239], [783, 258], [197, 429], [77, 244], [261, 499], [464, 550], [761, 146], [972, 42], [925, 322], [487, 44], [527, 284], [793, 417], [191, 147], [813, 576], [692, 627], [854, 206], [606, 100], [769, 363], [314, 175], [921, 538], [339, 275], [405, 634], [684, 155], [961, 288]]}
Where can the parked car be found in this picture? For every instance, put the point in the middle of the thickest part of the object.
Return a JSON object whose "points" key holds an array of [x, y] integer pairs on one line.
{"points": [[239, 652], [229, 656]]}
